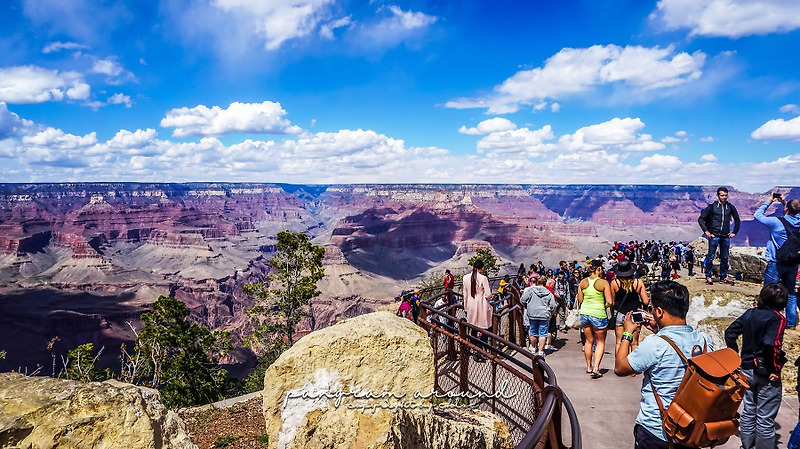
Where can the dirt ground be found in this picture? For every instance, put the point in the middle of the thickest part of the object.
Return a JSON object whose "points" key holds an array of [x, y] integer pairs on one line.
{"points": [[240, 426]]}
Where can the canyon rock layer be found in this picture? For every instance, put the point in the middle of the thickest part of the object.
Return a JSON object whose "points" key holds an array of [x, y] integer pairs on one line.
{"points": [[81, 262]]}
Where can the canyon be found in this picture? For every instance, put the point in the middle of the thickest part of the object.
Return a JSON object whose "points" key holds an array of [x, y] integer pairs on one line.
{"points": [[82, 261]]}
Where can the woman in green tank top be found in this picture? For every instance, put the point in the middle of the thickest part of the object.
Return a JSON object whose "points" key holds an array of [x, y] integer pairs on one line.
{"points": [[594, 295]]}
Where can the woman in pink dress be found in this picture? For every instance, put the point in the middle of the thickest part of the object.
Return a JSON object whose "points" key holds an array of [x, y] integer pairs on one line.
{"points": [[477, 293]]}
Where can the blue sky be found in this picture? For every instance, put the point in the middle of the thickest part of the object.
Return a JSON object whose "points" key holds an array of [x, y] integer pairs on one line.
{"points": [[330, 91]]}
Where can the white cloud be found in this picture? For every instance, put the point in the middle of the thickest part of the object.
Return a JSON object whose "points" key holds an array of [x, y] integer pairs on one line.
{"points": [[390, 31], [120, 99], [670, 139], [11, 125], [555, 107], [681, 134], [729, 18], [659, 162], [523, 141], [489, 126], [266, 117], [326, 30], [136, 139], [615, 134], [32, 84], [54, 47], [580, 70], [707, 139], [708, 158], [790, 108], [277, 21], [778, 129], [107, 67]]}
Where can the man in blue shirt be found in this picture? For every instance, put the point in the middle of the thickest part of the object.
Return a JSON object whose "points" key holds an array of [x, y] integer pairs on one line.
{"points": [[657, 359], [775, 272]]}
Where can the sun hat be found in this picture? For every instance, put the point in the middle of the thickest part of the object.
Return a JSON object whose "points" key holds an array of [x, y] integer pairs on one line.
{"points": [[624, 268]]}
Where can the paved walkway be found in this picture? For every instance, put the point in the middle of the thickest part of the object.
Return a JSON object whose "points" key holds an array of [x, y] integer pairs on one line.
{"points": [[607, 407]]}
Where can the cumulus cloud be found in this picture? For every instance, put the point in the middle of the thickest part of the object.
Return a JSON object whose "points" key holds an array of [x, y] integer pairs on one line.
{"points": [[728, 18], [580, 70], [707, 139], [555, 107], [790, 108], [778, 129], [615, 134], [128, 139], [523, 141], [120, 99], [256, 118], [708, 158], [32, 84], [489, 126], [11, 125], [54, 47]]}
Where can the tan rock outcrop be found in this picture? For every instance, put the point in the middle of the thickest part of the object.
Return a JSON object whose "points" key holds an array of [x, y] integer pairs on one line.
{"points": [[42, 412], [749, 260], [357, 384]]}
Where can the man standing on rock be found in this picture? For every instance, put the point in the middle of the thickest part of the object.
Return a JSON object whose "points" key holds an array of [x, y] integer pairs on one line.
{"points": [[715, 221], [779, 269]]}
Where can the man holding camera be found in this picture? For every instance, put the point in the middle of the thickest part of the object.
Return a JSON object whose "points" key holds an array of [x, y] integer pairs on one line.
{"points": [[654, 356], [780, 227], [715, 221]]}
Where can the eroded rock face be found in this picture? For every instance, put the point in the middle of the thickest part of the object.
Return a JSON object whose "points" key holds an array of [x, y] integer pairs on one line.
{"points": [[307, 400], [42, 412], [749, 260]]}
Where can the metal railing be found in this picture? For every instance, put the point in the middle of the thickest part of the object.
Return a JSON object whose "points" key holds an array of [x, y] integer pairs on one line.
{"points": [[513, 383]]}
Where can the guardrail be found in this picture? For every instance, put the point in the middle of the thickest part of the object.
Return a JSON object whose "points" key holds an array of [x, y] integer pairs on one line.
{"points": [[514, 384]]}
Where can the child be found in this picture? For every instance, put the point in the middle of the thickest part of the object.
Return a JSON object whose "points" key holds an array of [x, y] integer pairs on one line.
{"points": [[539, 305], [404, 310], [761, 329]]}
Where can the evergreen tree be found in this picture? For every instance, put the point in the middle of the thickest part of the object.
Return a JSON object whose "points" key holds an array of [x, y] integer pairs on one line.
{"points": [[282, 303], [490, 267], [182, 356]]}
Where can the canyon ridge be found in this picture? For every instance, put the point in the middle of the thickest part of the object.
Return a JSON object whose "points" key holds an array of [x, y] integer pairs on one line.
{"points": [[82, 261]]}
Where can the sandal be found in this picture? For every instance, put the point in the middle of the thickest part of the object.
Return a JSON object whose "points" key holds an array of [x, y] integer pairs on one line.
{"points": [[597, 375]]}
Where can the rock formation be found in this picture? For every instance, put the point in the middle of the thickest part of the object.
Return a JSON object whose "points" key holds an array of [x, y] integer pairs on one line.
{"points": [[42, 412], [354, 384], [749, 260]]}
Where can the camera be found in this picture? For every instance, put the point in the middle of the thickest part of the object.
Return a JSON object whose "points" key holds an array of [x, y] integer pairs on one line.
{"points": [[777, 196], [639, 316]]}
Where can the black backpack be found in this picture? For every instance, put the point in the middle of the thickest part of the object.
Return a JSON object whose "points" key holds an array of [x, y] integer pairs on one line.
{"points": [[789, 252]]}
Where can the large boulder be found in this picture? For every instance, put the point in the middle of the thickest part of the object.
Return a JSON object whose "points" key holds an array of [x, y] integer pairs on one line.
{"points": [[749, 260], [316, 393], [44, 413]]}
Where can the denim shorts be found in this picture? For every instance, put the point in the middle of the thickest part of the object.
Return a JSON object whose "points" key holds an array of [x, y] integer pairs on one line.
{"points": [[597, 323], [538, 328]]}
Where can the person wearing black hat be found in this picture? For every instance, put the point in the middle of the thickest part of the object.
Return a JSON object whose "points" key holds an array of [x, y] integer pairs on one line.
{"points": [[629, 295]]}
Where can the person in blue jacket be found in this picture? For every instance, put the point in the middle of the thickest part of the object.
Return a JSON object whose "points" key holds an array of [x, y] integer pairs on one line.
{"points": [[777, 272]]}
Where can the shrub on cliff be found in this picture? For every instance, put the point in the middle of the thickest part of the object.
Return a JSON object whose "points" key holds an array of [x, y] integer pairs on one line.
{"points": [[182, 357], [282, 303]]}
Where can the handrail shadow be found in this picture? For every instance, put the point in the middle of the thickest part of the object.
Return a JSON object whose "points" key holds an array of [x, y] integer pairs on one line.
{"points": [[516, 385]]}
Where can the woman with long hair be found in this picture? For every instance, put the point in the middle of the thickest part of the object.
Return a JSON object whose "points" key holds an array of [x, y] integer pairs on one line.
{"points": [[629, 295], [477, 294], [594, 296]]}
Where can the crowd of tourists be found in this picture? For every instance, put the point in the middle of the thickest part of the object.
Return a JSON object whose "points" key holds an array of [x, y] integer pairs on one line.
{"points": [[618, 291]]}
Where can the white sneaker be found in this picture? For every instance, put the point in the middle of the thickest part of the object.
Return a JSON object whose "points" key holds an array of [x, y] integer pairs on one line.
{"points": [[530, 348], [541, 353], [550, 347]]}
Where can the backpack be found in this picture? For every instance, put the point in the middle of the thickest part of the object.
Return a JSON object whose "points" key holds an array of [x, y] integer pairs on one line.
{"points": [[704, 411], [789, 252]]}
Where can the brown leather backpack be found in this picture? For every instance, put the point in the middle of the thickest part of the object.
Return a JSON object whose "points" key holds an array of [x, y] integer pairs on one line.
{"points": [[704, 411]]}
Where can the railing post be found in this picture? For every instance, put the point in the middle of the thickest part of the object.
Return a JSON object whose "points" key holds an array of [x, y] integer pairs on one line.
{"points": [[512, 327], [464, 357]]}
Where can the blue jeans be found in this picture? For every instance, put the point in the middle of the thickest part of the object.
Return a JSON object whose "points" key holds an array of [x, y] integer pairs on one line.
{"points": [[760, 407], [784, 274], [794, 440], [724, 244]]}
